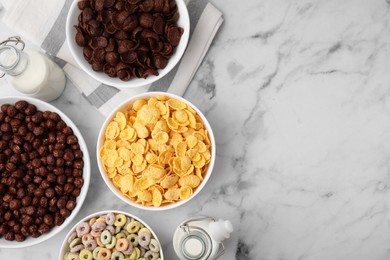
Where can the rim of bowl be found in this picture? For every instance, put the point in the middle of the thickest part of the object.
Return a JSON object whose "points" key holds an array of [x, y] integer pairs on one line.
{"points": [[122, 107], [71, 20], [103, 212], [41, 105]]}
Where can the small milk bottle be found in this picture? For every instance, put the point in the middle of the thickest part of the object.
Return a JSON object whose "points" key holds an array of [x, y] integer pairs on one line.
{"points": [[31, 73], [201, 238]]}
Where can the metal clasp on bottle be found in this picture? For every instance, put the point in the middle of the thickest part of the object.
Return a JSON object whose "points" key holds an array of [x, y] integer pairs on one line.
{"points": [[12, 42]]}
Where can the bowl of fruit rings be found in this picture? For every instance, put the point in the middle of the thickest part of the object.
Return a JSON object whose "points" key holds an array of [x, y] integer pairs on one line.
{"points": [[111, 234]]}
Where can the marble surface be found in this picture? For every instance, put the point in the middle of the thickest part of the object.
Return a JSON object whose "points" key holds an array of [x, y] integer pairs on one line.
{"points": [[298, 95]]}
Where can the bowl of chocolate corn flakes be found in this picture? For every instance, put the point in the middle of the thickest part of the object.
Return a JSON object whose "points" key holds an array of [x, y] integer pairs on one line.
{"points": [[111, 234], [156, 151], [44, 171], [127, 43]]}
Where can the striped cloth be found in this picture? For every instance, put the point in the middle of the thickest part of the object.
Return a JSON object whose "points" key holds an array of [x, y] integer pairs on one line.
{"points": [[42, 22]]}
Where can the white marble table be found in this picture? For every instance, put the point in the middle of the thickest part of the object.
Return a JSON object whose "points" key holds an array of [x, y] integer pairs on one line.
{"points": [[298, 94]]}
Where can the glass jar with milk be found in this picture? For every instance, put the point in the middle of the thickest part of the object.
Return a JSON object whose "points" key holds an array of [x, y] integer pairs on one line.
{"points": [[31, 73], [201, 238]]}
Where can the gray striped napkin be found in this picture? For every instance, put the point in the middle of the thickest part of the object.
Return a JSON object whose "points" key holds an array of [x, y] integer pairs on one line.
{"points": [[43, 23]]}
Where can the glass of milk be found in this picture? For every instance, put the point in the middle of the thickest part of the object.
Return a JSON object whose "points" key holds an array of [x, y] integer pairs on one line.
{"points": [[31, 73]]}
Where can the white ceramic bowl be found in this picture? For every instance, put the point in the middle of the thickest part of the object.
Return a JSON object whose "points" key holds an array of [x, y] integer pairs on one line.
{"points": [[77, 51], [124, 107], [43, 106], [65, 244]]}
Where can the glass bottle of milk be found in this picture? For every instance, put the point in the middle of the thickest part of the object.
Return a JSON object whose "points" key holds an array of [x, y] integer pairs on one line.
{"points": [[31, 73]]}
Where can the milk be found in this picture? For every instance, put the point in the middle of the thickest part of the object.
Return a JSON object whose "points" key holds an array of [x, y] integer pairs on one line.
{"points": [[32, 73]]}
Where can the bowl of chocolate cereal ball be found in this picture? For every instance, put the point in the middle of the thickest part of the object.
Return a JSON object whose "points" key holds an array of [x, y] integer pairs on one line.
{"points": [[111, 234], [127, 43], [156, 151], [44, 171]]}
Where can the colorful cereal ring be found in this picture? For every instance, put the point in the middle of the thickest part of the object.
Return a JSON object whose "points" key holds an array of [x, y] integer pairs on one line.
{"points": [[120, 220], [90, 244], [133, 238], [154, 245], [98, 226], [95, 252], [85, 255], [117, 256], [104, 254], [105, 237], [121, 244], [71, 256], [133, 227], [82, 229], [112, 243], [110, 219], [144, 239]]}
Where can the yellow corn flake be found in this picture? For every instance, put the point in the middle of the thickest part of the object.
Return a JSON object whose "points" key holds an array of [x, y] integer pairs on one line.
{"points": [[180, 117], [141, 130], [144, 195], [201, 147], [157, 198], [143, 183], [181, 129], [160, 106], [120, 118], [124, 170], [169, 181], [176, 104], [196, 157], [153, 144], [207, 155], [191, 119], [199, 135], [137, 148], [162, 97], [199, 164], [139, 103], [155, 172], [172, 124], [185, 192], [127, 134], [172, 194], [137, 159], [190, 109], [112, 130], [185, 163], [111, 172], [192, 181], [187, 133], [123, 143], [138, 168], [126, 183], [191, 141], [110, 145], [181, 149], [125, 154], [198, 126], [151, 158], [198, 173], [149, 114], [118, 162], [161, 137], [109, 161], [152, 101], [165, 157]]}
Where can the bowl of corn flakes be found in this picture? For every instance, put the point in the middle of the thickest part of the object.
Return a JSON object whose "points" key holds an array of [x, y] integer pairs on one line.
{"points": [[111, 234], [156, 151]]}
